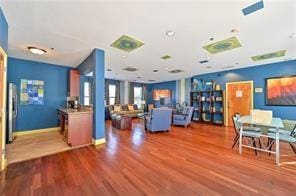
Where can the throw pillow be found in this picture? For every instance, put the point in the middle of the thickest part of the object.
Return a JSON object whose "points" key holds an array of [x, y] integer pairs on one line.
{"points": [[130, 107], [135, 107], [124, 108], [117, 108]]}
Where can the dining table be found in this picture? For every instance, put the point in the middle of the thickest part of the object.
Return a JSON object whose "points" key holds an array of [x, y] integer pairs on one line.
{"points": [[274, 123]]}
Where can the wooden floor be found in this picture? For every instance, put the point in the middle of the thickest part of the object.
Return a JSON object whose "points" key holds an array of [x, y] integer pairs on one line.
{"points": [[35, 145], [186, 161]]}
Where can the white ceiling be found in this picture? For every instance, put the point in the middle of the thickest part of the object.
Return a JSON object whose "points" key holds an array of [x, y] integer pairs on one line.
{"points": [[74, 28]]}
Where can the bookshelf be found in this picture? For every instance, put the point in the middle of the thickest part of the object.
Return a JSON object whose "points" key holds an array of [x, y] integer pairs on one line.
{"points": [[208, 106]]}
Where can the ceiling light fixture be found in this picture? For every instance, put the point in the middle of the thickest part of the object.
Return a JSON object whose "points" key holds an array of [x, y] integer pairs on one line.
{"points": [[155, 70], [123, 56], [234, 30], [212, 39], [170, 33], [292, 36], [109, 70], [208, 67], [209, 57], [36, 50]]}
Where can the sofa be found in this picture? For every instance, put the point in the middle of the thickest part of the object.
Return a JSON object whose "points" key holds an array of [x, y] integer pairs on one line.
{"points": [[124, 109]]}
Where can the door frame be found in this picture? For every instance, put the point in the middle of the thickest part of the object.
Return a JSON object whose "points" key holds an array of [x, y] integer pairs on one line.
{"points": [[226, 100], [4, 91]]}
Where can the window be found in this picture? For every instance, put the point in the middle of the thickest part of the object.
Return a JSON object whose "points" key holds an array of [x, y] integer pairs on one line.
{"points": [[86, 100], [138, 96], [112, 92]]}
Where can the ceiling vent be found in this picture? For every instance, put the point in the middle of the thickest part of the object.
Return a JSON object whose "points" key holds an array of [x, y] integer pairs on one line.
{"points": [[166, 57], [204, 61], [228, 67], [151, 80], [130, 69], [175, 71]]}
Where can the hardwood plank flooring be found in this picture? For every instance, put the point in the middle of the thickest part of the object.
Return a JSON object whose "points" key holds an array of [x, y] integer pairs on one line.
{"points": [[197, 160], [35, 145]]}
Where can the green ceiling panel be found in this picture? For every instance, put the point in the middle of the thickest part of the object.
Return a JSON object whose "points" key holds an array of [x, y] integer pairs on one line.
{"points": [[223, 45], [262, 57], [126, 43]]}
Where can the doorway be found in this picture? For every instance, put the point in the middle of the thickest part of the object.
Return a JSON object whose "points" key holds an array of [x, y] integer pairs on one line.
{"points": [[3, 68], [239, 99]]}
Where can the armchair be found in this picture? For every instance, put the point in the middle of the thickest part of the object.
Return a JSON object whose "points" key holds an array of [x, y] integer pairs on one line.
{"points": [[159, 119], [183, 119]]}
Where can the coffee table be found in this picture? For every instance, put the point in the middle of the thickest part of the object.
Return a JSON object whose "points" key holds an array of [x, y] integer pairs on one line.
{"points": [[122, 122]]}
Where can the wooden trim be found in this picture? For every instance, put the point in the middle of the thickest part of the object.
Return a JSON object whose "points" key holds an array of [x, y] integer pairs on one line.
{"points": [[226, 98], [98, 141], [4, 162], [30, 132], [3, 110]]}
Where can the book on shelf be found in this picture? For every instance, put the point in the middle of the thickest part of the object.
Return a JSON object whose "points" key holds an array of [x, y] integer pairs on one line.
{"points": [[218, 98]]}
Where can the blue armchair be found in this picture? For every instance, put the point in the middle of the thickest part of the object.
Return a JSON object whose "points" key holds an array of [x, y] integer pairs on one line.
{"points": [[183, 119], [159, 119]]}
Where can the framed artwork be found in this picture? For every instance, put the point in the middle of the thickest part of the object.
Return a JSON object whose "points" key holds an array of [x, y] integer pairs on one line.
{"points": [[161, 94], [32, 92], [281, 91]]}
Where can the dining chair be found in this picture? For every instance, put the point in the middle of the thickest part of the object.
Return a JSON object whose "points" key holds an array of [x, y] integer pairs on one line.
{"points": [[284, 136], [252, 133]]}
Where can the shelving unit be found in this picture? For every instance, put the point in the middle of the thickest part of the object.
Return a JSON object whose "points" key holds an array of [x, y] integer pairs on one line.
{"points": [[208, 106]]}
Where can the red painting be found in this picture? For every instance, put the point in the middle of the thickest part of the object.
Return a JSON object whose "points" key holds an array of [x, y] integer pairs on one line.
{"points": [[281, 91], [161, 94]]}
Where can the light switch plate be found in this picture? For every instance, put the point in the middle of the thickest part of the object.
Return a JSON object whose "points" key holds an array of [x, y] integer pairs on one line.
{"points": [[258, 90]]}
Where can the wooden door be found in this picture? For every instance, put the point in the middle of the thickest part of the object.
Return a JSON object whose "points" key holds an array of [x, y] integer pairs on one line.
{"points": [[239, 99], [3, 60]]}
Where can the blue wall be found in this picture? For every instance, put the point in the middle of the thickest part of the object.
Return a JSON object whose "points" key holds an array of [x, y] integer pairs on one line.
{"points": [[258, 75], [55, 92], [171, 85], [3, 31], [95, 63], [99, 105]]}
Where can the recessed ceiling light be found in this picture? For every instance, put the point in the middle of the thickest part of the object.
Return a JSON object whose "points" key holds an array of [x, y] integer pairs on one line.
{"points": [[208, 67], [211, 39], [209, 57], [170, 33], [109, 69], [123, 56], [234, 30], [292, 36], [155, 70], [35, 50]]}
